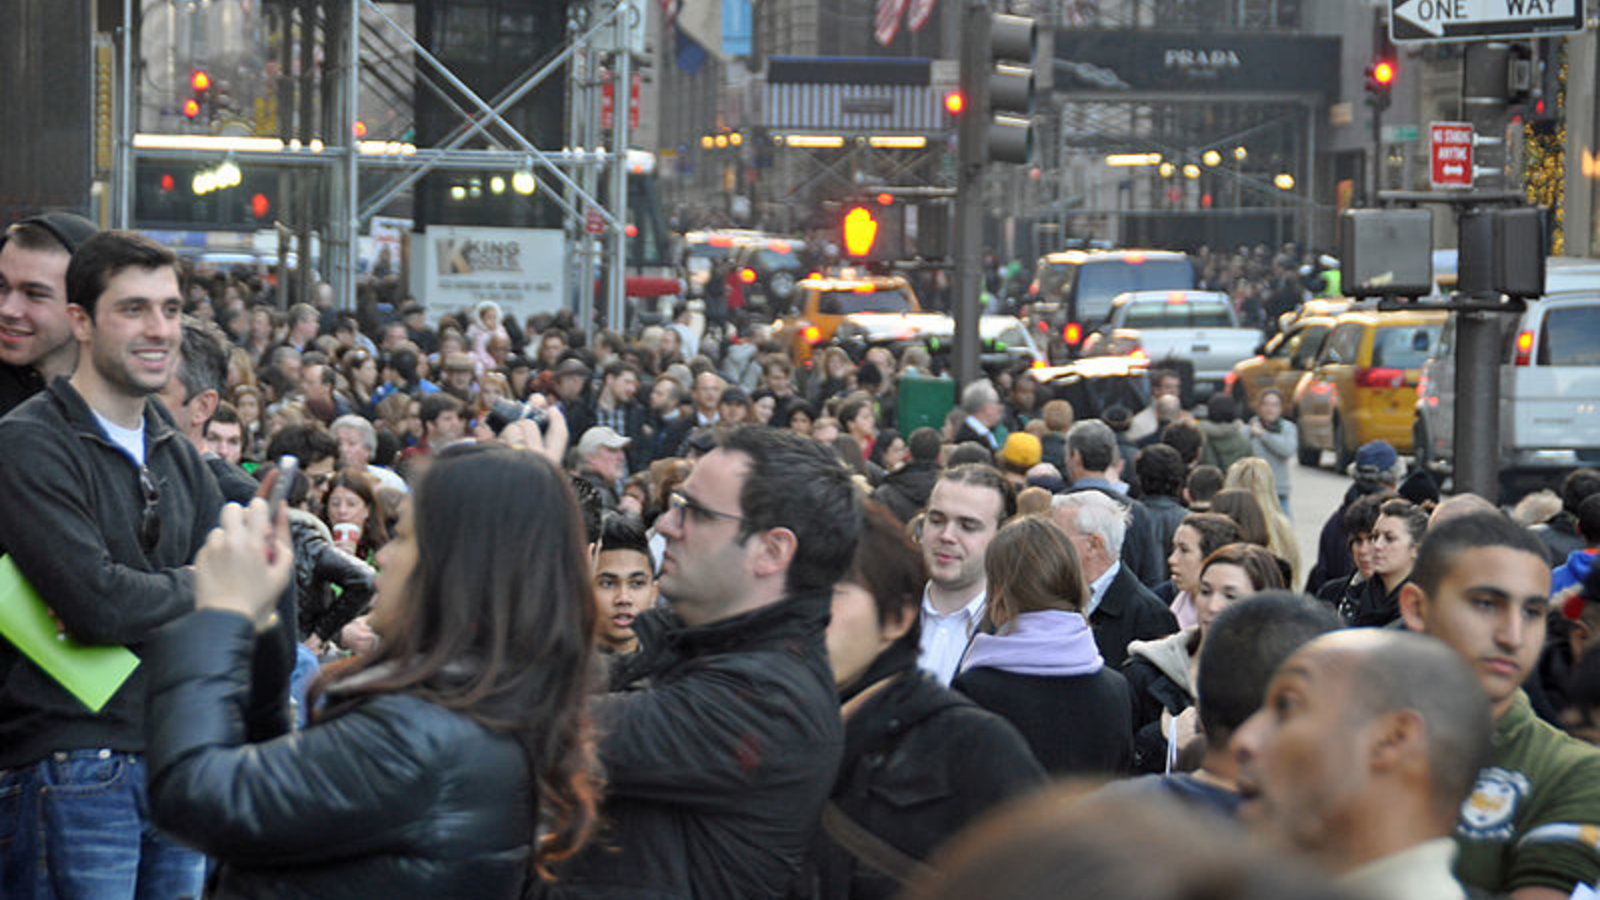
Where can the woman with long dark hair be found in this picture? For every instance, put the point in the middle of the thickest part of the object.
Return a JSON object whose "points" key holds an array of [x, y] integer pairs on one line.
{"points": [[452, 761]]}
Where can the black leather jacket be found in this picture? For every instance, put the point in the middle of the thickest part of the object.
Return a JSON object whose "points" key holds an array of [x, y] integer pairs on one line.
{"points": [[393, 798], [318, 566], [718, 757]]}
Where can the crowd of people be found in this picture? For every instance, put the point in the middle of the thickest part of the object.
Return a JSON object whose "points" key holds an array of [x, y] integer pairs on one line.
{"points": [[543, 612]]}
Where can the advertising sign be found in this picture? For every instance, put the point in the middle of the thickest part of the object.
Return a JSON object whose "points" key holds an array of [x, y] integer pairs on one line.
{"points": [[522, 269]]}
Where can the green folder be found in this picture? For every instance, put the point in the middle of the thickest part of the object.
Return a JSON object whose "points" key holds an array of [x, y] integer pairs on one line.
{"points": [[92, 674]]}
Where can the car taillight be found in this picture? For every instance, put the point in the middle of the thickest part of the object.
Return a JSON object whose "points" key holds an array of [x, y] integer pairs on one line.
{"points": [[1374, 377], [1072, 334], [1138, 353], [1038, 364], [1033, 289], [1524, 348], [1229, 379], [812, 334], [748, 276], [1044, 326]]}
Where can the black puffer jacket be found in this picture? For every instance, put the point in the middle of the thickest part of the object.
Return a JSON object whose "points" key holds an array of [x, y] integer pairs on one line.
{"points": [[921, 762], [394, 798], [718, 759]]}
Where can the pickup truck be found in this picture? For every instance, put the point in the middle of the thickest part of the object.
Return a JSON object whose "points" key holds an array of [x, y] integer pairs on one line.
{"points": [[1195, 332]]}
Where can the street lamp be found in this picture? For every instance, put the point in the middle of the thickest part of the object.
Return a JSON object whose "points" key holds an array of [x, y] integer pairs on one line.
{"points": [[1167, 169], [1191, 171], [1283, 181], [1211, 158], [1240, 154]]}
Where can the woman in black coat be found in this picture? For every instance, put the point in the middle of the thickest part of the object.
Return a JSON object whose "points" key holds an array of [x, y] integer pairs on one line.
{"points": [[920, 761], [1041, 669], [452, 761]]}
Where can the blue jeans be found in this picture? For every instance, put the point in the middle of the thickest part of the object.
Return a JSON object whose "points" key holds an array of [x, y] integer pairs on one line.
{"points": [[76, 826]]}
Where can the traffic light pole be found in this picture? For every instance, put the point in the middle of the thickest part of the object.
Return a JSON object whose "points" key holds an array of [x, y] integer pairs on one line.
{"points": [[972, 155]]}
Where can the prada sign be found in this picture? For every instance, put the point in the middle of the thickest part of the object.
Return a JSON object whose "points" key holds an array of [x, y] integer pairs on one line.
{"points": [[1112, 61]]}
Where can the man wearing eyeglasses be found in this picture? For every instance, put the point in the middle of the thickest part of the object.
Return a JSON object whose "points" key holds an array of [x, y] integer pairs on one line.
{"points": [[106, 504], [723, 737], [35, 332]]}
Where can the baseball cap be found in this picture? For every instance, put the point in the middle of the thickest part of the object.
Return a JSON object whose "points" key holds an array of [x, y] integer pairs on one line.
{"points": [[70, 229], [1375, 458], [601, 436]]}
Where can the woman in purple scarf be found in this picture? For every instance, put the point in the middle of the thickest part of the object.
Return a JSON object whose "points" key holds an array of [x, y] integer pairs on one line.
{"points": [[1041, 669]]}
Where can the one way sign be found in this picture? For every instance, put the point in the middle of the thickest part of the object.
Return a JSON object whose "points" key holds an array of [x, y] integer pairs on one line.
{"points": [[1466, 20]]}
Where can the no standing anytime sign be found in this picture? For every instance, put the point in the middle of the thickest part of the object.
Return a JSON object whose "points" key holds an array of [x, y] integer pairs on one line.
{"points": [[1452, 154]]}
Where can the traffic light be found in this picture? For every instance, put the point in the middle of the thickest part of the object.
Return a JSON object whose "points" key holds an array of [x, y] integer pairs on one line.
{"points": [[871, 231], [955, 102], [197, 106], [860, 232], [1010, 88], [1381, 74]]}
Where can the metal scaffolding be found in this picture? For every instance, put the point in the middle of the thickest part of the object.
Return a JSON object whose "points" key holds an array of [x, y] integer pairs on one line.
{"points": [[354, 35]]}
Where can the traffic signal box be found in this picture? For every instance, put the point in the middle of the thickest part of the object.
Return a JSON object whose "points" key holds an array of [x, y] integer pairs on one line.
{"points": [[1381, 74], [1010, 89], [872, 231]]}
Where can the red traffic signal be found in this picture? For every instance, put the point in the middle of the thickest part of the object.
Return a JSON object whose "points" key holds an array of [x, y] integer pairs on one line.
{"points": [[954, 103], [1381, 75], [191, 108], [260, 206], [200, 81]]}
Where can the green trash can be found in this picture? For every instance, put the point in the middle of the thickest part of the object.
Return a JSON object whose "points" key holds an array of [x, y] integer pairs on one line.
{"points": [[923, 400]]}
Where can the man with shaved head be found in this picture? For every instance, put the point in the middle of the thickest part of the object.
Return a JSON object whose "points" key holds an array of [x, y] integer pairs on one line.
{"points": [[1360, 756]]}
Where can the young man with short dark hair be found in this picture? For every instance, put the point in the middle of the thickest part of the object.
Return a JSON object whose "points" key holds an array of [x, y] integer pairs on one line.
{"points": [[624, 582], [106, 506], [1481, 585], [36, 342], [723, 739]]}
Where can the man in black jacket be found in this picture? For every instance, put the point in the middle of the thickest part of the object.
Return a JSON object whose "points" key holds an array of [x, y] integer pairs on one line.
{"points": [[905, 490], [36, 341], [723, 738], [1120, 609], [106, 505]]}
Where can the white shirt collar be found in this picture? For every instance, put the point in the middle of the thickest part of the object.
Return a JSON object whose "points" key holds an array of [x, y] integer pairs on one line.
{"points": [[1097, 587]]}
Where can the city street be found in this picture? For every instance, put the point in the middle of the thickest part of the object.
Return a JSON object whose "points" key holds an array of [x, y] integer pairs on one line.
{"points": [[1316, 495]]}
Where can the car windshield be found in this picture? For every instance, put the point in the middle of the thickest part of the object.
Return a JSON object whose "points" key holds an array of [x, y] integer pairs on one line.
{"points": [[1571, 337], [1398, 347], [1099, 280], [1183, 313], [772, 260], [846, 302]]}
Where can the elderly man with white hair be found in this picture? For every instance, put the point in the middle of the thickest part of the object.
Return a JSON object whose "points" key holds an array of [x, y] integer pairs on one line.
{"points": [[981, 402], [1120, 609], [358, 441]]}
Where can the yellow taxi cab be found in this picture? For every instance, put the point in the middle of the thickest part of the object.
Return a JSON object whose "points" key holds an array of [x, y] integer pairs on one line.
{"points": [[1363, 385], [824, 302], [1280, 363]]}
